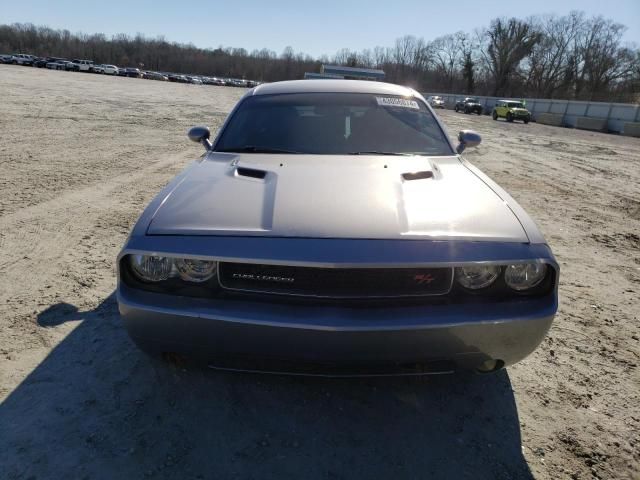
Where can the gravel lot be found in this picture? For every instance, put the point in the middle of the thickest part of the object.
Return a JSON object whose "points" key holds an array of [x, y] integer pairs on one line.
{"points": [[81, 155]]}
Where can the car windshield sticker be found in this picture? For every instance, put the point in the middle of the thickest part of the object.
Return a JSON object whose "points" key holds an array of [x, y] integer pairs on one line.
{"points": [[397, 102]]}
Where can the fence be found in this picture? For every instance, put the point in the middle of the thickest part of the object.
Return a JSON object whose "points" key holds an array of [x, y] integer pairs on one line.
{"points": [[615, 114]]}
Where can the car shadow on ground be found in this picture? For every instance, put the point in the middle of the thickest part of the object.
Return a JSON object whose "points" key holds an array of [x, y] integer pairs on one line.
{"points": [[96, 408]]}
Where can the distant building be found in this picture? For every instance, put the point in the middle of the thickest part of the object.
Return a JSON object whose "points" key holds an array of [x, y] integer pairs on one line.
{"points": [[320, 75], [351, 73]]}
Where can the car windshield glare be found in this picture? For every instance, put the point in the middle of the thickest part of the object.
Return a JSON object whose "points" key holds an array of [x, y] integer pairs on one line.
{"points": [[333, 124], [515, 105]]}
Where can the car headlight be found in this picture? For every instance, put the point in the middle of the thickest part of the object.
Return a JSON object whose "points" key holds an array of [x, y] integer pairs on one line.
{"points": [[151, 268], [475, 277], [196, 271], [154, 268], [524, 276]]}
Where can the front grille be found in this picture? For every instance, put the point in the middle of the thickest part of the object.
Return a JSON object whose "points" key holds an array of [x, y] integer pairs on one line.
{"points": [[335, 282]]}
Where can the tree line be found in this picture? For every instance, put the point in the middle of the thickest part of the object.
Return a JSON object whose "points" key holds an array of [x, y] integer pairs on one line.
{"points": [[570, 57]]}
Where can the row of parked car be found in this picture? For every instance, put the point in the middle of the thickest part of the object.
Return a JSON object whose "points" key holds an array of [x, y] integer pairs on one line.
{"points": [[56, 63], [510, 110]]}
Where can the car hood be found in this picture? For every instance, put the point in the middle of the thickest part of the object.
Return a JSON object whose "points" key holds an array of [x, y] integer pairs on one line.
{"points": [[332, 196]]}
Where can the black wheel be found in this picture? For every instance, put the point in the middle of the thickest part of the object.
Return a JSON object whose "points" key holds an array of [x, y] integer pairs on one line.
{"points": [[466, 110], [494, 115], [455, 108], [526, 120], [509, 117], [479, 112]]}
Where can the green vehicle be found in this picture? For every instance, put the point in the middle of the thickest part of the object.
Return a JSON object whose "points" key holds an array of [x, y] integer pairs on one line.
{"points": [[511, 110]]}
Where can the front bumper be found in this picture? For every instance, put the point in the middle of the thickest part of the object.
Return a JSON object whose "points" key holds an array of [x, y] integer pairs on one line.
{"points": [[388, 338], [382, 336]]}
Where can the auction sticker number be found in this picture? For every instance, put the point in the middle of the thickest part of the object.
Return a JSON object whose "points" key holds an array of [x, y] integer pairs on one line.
{"points": [[397, 102]]}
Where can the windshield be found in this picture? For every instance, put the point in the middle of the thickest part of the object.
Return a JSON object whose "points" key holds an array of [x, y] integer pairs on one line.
{"points": [[515, 105], [471, 100], [333, 124]]}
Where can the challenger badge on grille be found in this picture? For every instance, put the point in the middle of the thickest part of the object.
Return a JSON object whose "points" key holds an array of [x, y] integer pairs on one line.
{"points": [[262, 278]]}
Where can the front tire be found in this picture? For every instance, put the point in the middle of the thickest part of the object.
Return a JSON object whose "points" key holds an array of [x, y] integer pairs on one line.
{"points": [[455, 108], [494, 115], [526, 120], [466, 110], [509, 117]]}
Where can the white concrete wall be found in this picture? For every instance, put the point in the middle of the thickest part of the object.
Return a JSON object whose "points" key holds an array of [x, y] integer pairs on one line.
{"points": [[616, 114]]}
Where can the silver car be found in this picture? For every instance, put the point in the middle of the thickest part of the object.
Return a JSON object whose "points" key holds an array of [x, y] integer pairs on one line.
{"points": [[23, 59], [436, 101], [332, 228]]}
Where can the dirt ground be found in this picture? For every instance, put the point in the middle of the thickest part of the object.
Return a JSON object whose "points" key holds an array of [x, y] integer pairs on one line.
{"points": [[82, 154]]}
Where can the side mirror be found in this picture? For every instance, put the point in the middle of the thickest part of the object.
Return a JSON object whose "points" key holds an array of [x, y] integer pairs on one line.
{"points": [[201, 135], [467, 138]]}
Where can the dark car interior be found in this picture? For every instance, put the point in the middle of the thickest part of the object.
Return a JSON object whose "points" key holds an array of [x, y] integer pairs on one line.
{"points": [[335, 124]]}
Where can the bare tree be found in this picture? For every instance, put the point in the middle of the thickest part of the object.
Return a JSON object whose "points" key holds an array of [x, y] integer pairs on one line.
{"points": [[509, 42], [365, 59], [346, 57], [601, 60], [380, 56], [551, 57], [447, 54], [570, 56], [467, 49]]}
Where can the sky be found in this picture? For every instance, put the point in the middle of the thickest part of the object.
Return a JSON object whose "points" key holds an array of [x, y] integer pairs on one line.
{"points": [[316, 28]]}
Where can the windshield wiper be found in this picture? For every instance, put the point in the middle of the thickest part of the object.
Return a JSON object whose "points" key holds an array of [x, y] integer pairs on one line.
{"points": [[255, 149], [378, 152]]}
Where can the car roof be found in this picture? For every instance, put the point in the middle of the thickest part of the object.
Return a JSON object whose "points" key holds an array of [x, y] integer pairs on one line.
{"points": [[333, 86]]}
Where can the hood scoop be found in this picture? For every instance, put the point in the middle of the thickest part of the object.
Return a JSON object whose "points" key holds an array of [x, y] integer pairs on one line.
{"points": [[417, 175], [251, 173]]}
